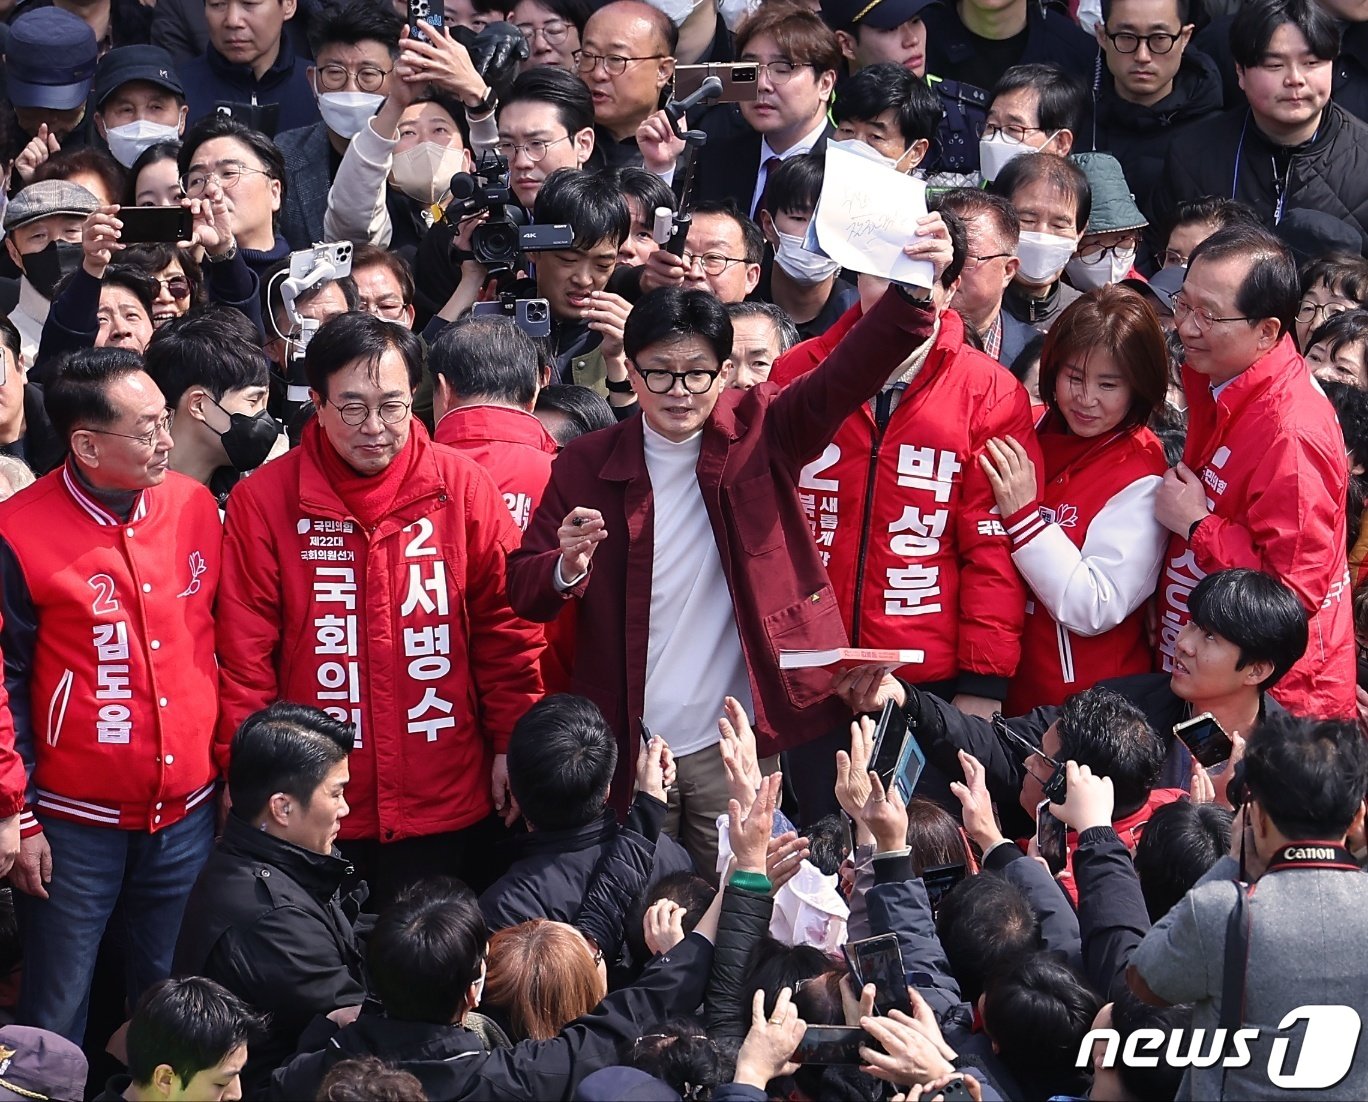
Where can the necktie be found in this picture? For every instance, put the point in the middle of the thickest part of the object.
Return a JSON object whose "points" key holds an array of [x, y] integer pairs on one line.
{"points": [[766, 168]]}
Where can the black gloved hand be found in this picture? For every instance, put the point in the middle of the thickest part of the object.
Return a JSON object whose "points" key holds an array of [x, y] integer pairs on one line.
{"points": [[497, 52]]}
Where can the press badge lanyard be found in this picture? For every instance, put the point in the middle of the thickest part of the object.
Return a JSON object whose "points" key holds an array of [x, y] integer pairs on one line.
{"points": [[1280, 187]]}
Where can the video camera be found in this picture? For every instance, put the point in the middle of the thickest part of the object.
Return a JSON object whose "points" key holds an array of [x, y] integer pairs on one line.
{"points": [[505, 234]]}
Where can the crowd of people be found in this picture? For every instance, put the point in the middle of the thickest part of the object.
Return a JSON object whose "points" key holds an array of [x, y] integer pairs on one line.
{"points": [[467, 552]]}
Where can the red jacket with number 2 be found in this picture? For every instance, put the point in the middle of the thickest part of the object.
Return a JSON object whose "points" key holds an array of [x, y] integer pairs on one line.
{"points": [[1271, 454], [907, 522], [754, 444], [404, 631]]}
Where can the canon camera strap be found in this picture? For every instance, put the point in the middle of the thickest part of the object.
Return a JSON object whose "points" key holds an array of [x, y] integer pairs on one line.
{"points": [[1298, 855], [1313, 855]]}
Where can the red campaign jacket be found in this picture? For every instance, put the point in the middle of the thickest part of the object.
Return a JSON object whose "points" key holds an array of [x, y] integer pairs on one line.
{"points": [[1271, 454], [754, 444], [517, 451], [108, 640], [404, 631], [907, 523], [1090, 551], [508, 443]]}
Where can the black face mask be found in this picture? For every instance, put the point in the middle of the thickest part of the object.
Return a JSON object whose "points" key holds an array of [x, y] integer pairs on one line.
{"points": [[45, 268], [249, 439]]}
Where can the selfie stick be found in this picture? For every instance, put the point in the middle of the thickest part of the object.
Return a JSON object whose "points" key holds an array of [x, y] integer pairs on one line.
{"points": [[314, 266], [693, 140]]}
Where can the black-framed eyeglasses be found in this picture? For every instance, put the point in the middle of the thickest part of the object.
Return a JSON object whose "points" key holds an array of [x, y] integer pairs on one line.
{"points": [[662, 382], [358, 413], [228, 173], [1203, 319], [334, 77], [1014, 131], [535, 149], [148, 439], [1095, 251], [613, 64], [1126, 42], [1055, 785], [1319, 311], [713, 263]]}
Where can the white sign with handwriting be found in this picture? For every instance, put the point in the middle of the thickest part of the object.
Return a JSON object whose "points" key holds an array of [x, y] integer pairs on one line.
{"points": [[866, 213]]}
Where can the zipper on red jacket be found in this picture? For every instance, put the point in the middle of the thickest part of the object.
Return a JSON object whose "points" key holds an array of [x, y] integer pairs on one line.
{"points": [[883, 411]]}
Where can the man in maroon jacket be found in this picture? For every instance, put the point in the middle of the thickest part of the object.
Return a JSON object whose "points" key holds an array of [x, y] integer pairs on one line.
{"points": [[705, 568]]}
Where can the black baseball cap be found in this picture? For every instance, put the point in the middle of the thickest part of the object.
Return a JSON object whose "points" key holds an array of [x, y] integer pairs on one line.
{"points": [[883, 15], [129, 63]]}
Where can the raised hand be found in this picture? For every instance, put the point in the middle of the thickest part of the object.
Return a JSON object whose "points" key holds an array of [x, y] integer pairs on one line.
{"points": [[580, 534], [750, 830], [852, 769], [1011, 474], [660, 149], [976, 804]]}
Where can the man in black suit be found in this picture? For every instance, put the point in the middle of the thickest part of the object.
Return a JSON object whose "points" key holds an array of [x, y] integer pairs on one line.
{"points": [[799, 59], [626, 61]]}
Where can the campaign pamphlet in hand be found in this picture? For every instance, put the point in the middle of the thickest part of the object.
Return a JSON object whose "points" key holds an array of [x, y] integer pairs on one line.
{"points": [[866, 213]]}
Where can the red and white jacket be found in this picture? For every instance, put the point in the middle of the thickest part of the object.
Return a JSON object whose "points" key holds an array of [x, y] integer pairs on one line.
{"points": [[1271, 454], [908, 527], [1090, 552], [109, 650], [403, 631]]}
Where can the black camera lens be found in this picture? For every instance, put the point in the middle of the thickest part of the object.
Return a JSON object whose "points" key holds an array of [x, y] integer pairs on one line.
{"points": [[537, 311], [1237, 791], [495, 244]]}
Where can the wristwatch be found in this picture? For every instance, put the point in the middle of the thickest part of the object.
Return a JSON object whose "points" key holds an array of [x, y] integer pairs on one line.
{"points": [[486, 104], [223, 257], [1192, 528], [624, 387]]}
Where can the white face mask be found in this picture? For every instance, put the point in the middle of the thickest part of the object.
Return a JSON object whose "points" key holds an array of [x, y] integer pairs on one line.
{"points": [[733, 11], [425, 171], [345, 113], [128, 142], [1089, 275], [802, 265], [997, 153], [676, 10], [867, 151], [1043, 256]]}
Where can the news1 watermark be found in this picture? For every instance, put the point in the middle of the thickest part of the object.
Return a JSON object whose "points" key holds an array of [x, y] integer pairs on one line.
{"points": [[1329, 1043]]}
